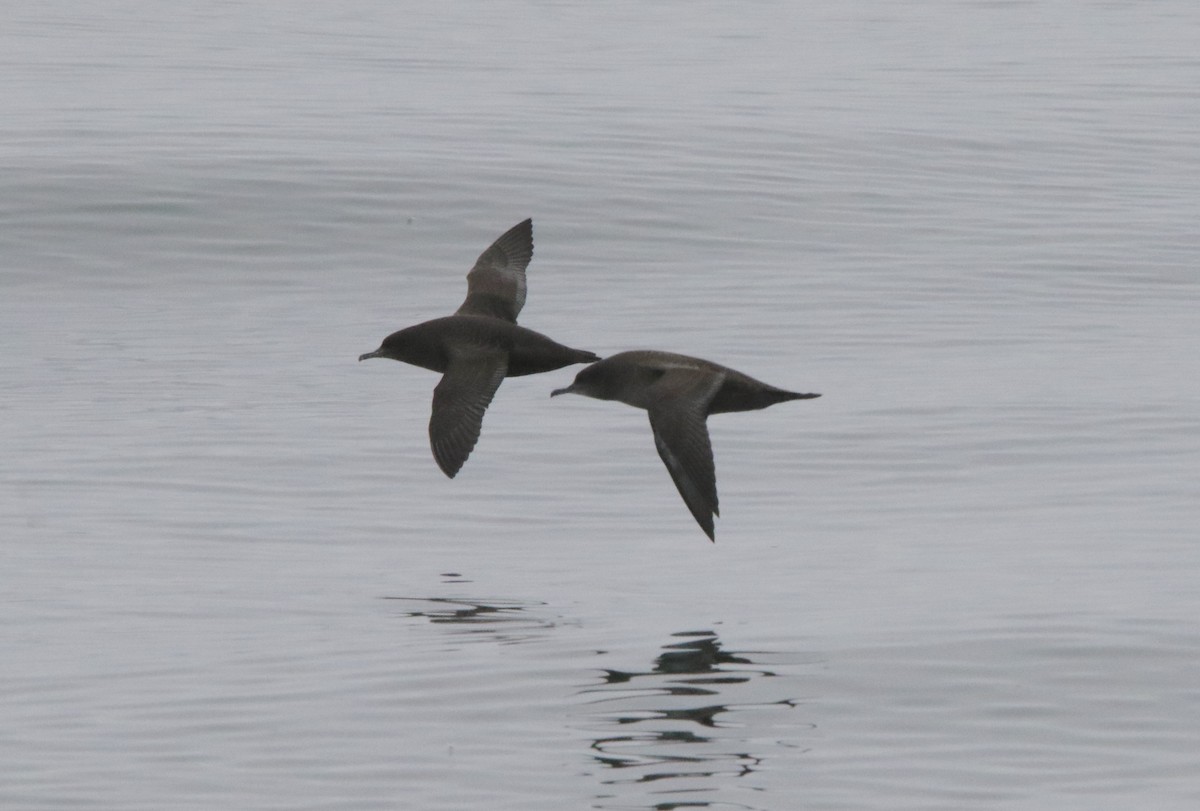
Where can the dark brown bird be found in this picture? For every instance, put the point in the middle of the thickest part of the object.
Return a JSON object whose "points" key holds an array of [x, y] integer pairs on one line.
{"points": [[478, 347], [679, 392]]}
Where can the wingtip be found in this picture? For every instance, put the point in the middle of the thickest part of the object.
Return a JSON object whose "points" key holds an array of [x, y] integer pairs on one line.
{"points": [[446, 464], [525, 229]]}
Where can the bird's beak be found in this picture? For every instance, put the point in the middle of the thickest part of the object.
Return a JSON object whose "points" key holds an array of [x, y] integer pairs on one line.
{"points": [[567, 390], [374, 354]]}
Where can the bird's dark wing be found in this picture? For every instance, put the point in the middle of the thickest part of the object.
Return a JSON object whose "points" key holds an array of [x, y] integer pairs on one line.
{"points": [[496, 285], [678, 419], [459, 402]]}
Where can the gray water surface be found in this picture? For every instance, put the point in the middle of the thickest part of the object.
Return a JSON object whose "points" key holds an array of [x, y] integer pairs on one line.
{"points": [[966, 577]]}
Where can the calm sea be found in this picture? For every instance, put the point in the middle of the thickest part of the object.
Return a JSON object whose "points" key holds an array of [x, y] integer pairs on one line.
{"points": [[967, 577]]}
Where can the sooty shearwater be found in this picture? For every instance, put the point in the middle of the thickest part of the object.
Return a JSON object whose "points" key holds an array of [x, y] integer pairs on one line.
{"points": [[478, 347], [679, 392]]}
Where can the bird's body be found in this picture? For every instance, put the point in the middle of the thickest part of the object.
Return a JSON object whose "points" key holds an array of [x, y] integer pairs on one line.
{"points": [[431, 345], [679, 392], [478, 346]]}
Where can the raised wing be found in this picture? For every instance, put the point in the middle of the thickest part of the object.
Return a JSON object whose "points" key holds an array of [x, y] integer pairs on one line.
{"points": [[496, 285], [678, 420], [459, 402]]}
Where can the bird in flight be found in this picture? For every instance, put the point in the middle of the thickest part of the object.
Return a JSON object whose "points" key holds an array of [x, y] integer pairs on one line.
{"points": [[679, 392], [478, 346]]}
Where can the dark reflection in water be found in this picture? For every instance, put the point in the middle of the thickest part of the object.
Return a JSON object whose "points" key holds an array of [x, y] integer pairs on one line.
{"points": [[691, 730], [496, 619], [676, 727], [446, 609]]}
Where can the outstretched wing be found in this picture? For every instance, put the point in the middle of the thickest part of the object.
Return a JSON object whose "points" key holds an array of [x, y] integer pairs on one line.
{"points": [[459, 402], [678, 419], [496, 285]]}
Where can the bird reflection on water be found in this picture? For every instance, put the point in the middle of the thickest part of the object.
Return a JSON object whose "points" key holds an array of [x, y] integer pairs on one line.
{"points": [[680, 721], [692, 730], [499, 619]]}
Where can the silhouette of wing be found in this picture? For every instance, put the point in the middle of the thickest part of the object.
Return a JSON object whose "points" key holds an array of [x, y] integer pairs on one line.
{"points": [[496, 285], [678, 420], [459, 402]]}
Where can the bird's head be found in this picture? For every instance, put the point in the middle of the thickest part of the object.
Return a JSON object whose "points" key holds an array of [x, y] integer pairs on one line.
{"points": [[590, 382], [390, 348]]}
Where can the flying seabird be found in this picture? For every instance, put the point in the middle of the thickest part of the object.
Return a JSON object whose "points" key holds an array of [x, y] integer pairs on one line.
{"points": [[679, 392], [478, 347]]}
